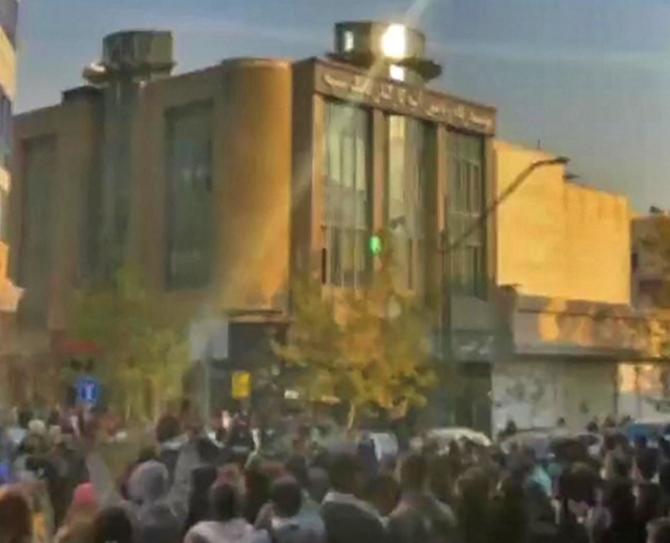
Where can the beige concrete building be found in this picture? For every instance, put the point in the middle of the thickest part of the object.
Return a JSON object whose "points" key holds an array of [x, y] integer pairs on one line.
{"points": [[564, 249], [9, 295], [224, 184], [575, 239]]}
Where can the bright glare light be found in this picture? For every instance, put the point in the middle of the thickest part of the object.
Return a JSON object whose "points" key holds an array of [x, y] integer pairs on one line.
{"points": [[348, 41], [394, 42], [397, 73]]}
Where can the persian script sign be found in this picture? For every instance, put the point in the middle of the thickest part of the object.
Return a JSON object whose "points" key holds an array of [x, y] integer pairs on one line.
{"points": [[417, 102]]}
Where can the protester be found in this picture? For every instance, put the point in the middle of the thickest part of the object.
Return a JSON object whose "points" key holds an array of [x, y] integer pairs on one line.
{"points": [[347, 518], [15, 517], [286, 525], [419, 516], [77, 526], [228, 525], [113, 525]]}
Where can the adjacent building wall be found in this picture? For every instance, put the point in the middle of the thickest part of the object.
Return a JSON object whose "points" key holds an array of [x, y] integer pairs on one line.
{"points": [[558, 239]]}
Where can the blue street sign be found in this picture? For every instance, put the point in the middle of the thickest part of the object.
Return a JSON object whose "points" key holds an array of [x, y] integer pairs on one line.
{"points": [[88, 390]]}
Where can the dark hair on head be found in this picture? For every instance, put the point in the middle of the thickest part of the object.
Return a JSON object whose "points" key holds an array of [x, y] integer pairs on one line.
{"points": [[168, 428], [207, 451], [664, 478], [343, 470], [414, 472], [647, 464], [579, 483], [286, 496], [441, 478], [113, 524], [382, 485], [15, 516], [297, 467], [620, 500], [226, 502], [659, 531], [622, 467]]}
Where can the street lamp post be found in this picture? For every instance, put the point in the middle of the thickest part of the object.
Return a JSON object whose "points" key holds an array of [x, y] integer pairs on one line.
{"points": [[445, 249]]}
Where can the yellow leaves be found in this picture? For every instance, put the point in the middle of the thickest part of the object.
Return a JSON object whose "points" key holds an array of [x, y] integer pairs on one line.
{"points": [[372, 351], [143, 339]]}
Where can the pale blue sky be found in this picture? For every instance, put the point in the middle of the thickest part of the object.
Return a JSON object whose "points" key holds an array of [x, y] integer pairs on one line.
{"points": [[589, 78]]}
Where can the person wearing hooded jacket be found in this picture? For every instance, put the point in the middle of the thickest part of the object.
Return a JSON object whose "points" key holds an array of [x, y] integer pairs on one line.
{"points": [[152, 501]]}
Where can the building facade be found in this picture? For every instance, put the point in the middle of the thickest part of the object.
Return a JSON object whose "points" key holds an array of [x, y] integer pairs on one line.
{"points": [[9, 295], [580, 348], [8, 25], [225, 184]]}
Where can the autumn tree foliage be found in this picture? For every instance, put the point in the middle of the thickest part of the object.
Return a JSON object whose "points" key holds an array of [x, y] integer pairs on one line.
{"points": [[365, 347], [142, 339]]}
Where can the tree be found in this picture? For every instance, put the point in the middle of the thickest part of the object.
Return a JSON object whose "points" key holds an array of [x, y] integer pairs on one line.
{"points": [[367, 347], [142, 339]]}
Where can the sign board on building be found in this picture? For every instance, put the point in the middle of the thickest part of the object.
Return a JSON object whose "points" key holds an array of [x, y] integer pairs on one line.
{"points": [[241, 385], [404, 99], [88, 390]]}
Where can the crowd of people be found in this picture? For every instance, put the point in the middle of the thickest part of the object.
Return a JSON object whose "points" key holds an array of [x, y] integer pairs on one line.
{"points": [[189, 487]]}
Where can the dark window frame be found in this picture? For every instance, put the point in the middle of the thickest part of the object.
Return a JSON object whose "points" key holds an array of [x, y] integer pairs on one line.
{"points": [[410, 273], [465, 209], [187, 276], [344, 236]]}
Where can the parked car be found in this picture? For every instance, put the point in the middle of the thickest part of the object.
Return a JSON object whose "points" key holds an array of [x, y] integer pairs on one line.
{"points": [[443, 437]]}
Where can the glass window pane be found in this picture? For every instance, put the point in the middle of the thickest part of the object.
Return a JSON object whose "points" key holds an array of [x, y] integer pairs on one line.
{"points": [[189, 168], [346, 165], [465, 213]]}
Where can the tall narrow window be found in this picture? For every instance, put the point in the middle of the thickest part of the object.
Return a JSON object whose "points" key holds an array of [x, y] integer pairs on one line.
{"points": [[189, 206], [4, 215], [5, 129], [347, 206], [405, 205], [38, 177], [466, 203]]}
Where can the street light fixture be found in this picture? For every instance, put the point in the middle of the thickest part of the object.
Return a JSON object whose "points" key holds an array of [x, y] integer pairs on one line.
{"points": [[444, 317]]}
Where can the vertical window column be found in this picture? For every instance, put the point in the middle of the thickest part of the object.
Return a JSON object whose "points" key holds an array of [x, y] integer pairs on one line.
{"points": [[189, 205], [405, 202], [347, 221], [465, 206], [5, 129]]}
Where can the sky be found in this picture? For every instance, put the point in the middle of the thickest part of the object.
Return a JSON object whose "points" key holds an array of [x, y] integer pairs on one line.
{"points": [[589, 79]]}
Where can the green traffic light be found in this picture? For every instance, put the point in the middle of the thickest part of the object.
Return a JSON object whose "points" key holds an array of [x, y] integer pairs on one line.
{"points": [[375, 245]]}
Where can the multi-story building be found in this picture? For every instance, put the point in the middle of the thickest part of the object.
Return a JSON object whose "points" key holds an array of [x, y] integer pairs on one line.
{"points": [[580, 348], [8, 293], [222, 185]]}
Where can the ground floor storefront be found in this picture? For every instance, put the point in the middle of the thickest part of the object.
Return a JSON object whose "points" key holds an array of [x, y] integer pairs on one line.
{"points": [[536, 393]]}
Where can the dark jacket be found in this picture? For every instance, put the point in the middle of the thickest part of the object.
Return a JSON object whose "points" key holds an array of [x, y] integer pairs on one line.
{"points": [[348, 521]]}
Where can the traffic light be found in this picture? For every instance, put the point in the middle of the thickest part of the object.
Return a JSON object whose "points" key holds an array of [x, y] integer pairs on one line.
{"points": [[375, 245]]}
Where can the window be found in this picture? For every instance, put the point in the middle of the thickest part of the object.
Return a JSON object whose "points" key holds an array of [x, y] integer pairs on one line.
{"points": [[347, 205], [9, 12], [465, 206], [405, 210], [5, 129], [38, 176], [4, 215], [348, 41], [189, 207]]}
